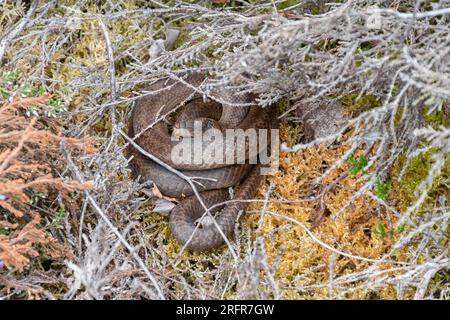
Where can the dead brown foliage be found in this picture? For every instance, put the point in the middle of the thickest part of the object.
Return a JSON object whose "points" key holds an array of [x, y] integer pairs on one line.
{"points": [[30, 160]]}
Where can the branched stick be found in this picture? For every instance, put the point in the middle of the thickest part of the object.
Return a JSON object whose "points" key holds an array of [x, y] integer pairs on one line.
{"points": [[97, 208]]}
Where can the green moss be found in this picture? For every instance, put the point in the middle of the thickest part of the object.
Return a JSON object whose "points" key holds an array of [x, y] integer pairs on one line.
{"points": [[183, 38], [282, 105], [403, 191], [326, 44], [366, 45], [398, 116], [351, 102], [440, 280], [436, 118], [288, 3]]}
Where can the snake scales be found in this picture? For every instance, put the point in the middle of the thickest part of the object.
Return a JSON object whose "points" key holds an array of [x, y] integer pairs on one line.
{"points": [[153, 135]]}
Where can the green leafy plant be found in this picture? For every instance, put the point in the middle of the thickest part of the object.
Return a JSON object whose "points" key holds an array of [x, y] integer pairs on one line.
{"points": [[400, 228], [11, 76], [58, 219], [4, 92], [26, 90], [381, 232], [57, 107], [35, 196], [382, 189], [32, 111], [357, 165]]}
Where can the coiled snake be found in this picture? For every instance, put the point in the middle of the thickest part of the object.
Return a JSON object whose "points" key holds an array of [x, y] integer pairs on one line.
{"points": [[154, 136]]}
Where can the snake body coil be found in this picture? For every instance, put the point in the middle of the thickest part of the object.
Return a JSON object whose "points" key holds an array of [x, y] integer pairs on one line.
{"points": [[224, 111]]}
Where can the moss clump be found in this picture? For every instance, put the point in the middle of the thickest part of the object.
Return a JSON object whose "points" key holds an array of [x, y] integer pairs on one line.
{"points": [[436, 118], [288, 3], [183, 37], [403, 191], [351, 103], [301, 261]]}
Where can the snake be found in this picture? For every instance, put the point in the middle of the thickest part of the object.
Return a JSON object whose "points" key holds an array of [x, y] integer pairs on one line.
{"points": [[173, 104]]}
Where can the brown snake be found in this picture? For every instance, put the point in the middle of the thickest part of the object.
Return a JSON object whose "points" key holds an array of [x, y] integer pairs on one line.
{"points": [[153, 135]]}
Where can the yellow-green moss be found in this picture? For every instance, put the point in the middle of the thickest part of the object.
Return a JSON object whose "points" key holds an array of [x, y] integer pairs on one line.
{"points": [[288, 3], [351, 102], [282, 105], [403, 191], [436, 118], [326, 44], [183, 38], [398, 116]]}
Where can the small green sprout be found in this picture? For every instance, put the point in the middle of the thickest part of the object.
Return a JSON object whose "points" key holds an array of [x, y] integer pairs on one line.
{"points": [[58, 107], [40, 91], [5, 93], [58, 219], [382, 189], [357, 165], [37, 195], [26, 91], [4, 231], [381, 232], [400, 228], [11, 76], [32, 111]]}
